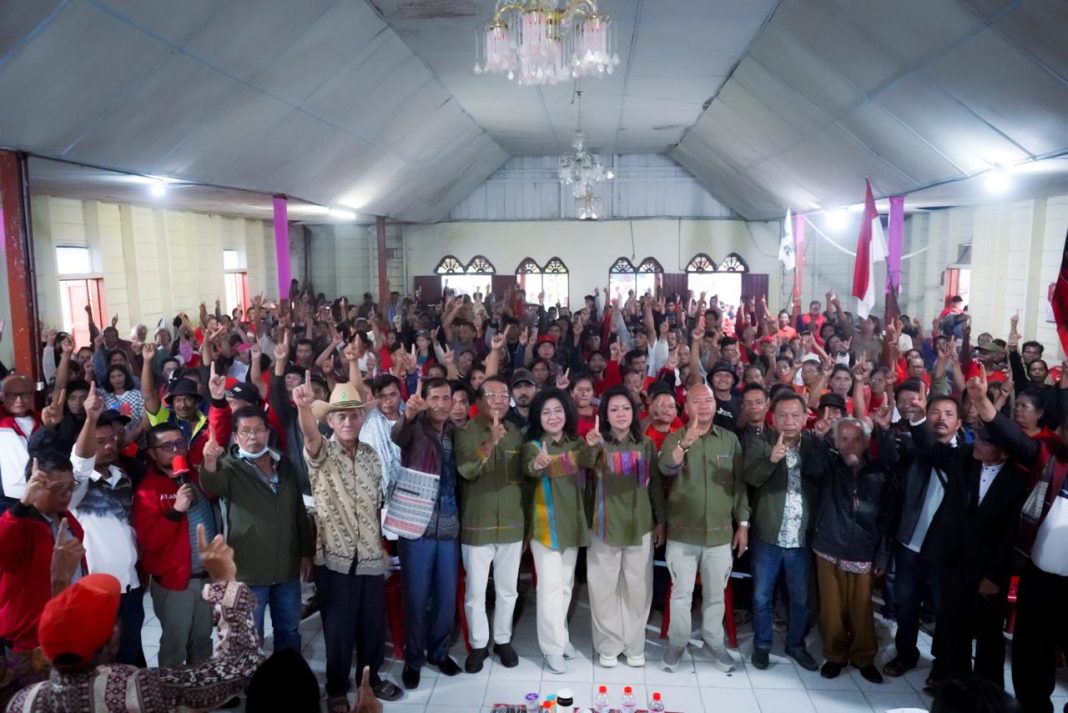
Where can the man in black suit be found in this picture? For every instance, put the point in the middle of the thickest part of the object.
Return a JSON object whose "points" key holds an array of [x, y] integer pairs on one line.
{"points": [[981, 510]]}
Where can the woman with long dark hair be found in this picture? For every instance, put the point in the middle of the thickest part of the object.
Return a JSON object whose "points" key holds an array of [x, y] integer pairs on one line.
{"points": [[628, 522]]}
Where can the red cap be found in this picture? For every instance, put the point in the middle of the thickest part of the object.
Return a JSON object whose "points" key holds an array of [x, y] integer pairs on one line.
{"points": [[80, 620], [546, 338], [179, 465]]}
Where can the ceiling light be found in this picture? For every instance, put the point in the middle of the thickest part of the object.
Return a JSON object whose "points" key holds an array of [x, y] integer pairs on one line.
{"points": [[997, 181], [341, 214], [587, 205], [157, 187], [837, 219], [534, 42], [580, 169]]}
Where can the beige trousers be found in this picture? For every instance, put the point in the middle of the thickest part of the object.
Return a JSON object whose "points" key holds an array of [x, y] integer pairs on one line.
{"points": [[683, 563], [620, 580], [477, 560]]}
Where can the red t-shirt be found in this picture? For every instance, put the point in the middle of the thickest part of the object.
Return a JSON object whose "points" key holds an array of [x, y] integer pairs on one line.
{"points": [[658, 437]]}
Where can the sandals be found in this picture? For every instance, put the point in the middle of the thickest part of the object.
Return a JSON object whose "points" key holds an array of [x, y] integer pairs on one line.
{"points": [[896, 668]]}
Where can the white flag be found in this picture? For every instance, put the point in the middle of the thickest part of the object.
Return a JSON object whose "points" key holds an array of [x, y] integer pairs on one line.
{"points": [[786, 246]]}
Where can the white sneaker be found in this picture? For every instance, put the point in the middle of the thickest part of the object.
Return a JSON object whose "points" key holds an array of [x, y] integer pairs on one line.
{"points": [[636, 661], [569, 651], [721, 659], [608, 661], [556, 663]]}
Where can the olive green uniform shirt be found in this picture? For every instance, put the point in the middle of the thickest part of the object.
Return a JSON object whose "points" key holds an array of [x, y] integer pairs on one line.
{"points": [[493, 507]]}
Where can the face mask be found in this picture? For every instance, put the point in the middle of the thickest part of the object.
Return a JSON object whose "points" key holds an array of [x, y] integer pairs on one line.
{"points": [[186, 350], [252, 456]]}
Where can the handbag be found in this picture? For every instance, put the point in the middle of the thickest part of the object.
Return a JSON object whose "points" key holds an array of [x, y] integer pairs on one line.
{"points": [[410, 502]]}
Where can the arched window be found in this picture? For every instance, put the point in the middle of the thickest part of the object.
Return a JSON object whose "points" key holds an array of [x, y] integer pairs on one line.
{"points": [[624, 277], [449, 265], [475, 277], [701, 263], [723, 281], [733, 263], [552, 279]]}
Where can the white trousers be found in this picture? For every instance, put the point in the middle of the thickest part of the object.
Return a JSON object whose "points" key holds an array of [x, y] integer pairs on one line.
{"points": [[556, 578], [715, 565], [620, 580], [505, 561]]}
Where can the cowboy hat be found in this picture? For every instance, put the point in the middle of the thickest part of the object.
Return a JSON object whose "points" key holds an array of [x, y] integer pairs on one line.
{"points": [[342, 398]]}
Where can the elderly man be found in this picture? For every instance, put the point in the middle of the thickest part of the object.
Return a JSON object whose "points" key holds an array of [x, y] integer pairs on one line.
{"points": [[350, 564], [493, 521], [17, 423], [705, 462], [78, 634], [267, 524], [103, 503], [431, 560], [852, 542], [182, 410], [783, 504]]}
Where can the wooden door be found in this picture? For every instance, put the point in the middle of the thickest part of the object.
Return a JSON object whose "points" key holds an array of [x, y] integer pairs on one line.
{"points": [[75, 295]]}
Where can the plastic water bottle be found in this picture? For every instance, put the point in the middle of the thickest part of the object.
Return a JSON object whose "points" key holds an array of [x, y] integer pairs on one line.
{"points": [[601, 704], [657, 706], [628, 704]]}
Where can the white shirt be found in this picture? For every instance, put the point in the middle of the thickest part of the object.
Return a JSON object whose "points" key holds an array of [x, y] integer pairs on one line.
{"points": [[1050, 551], [986, 478], [109, 541]]}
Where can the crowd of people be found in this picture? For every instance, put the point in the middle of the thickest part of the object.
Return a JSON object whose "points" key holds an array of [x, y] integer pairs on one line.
{"points": [[225, 458]]}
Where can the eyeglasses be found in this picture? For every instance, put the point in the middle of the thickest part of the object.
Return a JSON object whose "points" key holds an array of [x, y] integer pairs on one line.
{"points": [[495, 396], [171, 446], [246, 432], [16, 395], [62, 489]]}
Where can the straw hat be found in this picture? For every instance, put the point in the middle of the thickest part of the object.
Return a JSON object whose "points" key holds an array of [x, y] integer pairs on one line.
{"points": [[342, 398]]}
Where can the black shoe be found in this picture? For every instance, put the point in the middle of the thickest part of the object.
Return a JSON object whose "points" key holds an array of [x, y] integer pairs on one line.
{"points": [[447, 666], [870, 673], [831, 669], [410, 677], [932, 683], [388, 691], [760, 658], [475, 659], [232, 703], [804, 659], [509, 658]]}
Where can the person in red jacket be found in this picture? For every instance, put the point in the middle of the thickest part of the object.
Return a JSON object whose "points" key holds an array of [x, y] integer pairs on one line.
{"points": [[40, 555], [167, 508]]}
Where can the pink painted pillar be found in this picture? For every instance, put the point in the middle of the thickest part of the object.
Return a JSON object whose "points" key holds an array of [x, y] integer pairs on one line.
{"points": [[281, 245]]}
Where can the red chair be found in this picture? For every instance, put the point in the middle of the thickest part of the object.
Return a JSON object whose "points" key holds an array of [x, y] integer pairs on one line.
{"points": [[728, 612], [395, 613], [1010, 618]]}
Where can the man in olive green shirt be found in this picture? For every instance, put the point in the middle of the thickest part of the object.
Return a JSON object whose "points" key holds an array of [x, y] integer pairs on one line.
{"points": [[492, 522], [708, 492]]}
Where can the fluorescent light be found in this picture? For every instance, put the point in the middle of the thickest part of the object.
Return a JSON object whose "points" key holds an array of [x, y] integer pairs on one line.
{"points": [[157, 187], [837, 219], [341, 214], [997, 181]]}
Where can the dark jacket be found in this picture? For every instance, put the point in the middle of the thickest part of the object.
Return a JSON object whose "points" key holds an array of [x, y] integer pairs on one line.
{"points": [[269, 531], [769, 481], [853, 518], [974, 537]]}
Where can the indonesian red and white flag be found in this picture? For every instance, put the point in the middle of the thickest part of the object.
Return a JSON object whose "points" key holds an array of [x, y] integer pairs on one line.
{"points": [[871, 248]]}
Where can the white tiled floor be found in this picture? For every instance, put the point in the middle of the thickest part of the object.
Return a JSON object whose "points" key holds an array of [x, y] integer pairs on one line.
{"points": [[695, 687]]}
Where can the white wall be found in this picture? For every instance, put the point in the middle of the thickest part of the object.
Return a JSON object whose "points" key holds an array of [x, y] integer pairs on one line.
{"points": [[589, 248], [154, 262], [344, 259]]}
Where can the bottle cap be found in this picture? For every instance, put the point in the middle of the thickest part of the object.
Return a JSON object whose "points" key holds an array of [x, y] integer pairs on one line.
{"points": [[565, 693], [547, 705], [531, 696], [656, 695], [627, 690], [602, 689]]}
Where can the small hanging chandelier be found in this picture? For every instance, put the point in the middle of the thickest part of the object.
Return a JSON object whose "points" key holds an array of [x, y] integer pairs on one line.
{"points": [[580, 169], [535, 42]]}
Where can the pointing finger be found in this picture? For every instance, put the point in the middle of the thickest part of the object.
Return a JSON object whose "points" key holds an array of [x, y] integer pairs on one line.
{"points": [[202, 541], [307, 376], [496, 421], [782, 442], [597, 422], [64, 531]]}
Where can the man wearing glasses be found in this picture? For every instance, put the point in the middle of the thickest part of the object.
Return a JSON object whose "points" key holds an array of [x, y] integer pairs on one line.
{"points": [[17, 423], [492, 522], [168, 506], [267, 523]]}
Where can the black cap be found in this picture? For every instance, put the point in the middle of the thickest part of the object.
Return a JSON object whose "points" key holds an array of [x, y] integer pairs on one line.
{"points": [[244, 392], [111, 416], [724, 366], [520, 376], [183, 387], [834, 401]]}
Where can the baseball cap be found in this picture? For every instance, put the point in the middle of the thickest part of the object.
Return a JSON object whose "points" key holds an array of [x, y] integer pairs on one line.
{"points": [[244, 391], [111, 416], [81, 619], [834, 401], [520, 376]]}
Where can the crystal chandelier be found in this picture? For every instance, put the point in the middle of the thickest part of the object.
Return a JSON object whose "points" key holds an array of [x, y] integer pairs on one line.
{"points": [[535, 42], [580, 169], [587, 205]]}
